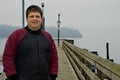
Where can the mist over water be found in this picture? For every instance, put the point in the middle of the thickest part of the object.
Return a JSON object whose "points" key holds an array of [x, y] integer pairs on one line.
{"points": [[2, 44]]}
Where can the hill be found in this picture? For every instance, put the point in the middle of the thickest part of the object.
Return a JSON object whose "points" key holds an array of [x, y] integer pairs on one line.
{"points": [[64, 32], [6, 30]]}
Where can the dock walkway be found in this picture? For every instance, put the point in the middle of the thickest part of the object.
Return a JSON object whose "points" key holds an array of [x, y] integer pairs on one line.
{"points": [[65, 69]]}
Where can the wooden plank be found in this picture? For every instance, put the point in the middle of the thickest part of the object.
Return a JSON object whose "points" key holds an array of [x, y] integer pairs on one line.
{"points": [[66, 71], [112, 70], [2, 76], [76, 69], [91, 75]]}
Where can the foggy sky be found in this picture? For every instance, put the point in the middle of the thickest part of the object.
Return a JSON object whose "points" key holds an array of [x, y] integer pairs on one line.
{"points": [[97, 20], [74, 13]]}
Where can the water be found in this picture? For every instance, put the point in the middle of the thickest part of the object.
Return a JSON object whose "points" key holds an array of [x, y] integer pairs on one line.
{"points": [[2, 44]]}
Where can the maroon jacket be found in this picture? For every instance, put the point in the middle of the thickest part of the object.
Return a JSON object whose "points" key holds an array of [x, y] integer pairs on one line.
{"points": [[12, 56]]}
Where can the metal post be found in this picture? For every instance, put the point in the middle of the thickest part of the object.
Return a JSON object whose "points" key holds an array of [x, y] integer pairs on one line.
{"points": [[23, 5], [58, 22], [43, 18], [58, 36], [107, 50]]}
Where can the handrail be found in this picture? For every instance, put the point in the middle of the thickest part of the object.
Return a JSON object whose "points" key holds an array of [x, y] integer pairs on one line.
{"points": [[110, 69], [2, 76]]}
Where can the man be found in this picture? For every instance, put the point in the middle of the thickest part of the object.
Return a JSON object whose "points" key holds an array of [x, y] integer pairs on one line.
{"points": [[30, 53]]}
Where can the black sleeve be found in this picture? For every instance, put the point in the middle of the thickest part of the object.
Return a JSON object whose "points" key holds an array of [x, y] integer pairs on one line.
{"points": [[13, 77], [53, 77]]}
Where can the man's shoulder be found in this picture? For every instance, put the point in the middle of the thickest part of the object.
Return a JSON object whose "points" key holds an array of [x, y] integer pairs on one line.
{"points": [[19, 31], [45, 32]]}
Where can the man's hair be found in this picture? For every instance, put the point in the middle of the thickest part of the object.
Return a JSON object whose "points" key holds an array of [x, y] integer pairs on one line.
{"points": [[33, 8]]}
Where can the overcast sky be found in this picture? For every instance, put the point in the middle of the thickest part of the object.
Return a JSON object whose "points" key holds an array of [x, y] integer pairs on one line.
{"points": [[74, 13], [97, 20]]}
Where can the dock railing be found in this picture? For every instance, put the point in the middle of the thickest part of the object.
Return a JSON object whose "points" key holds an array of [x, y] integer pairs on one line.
{"points": [[89, 66], [2, 75]]}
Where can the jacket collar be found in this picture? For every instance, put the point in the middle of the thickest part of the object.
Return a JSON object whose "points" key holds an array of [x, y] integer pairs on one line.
{"points": [[33, 32]]}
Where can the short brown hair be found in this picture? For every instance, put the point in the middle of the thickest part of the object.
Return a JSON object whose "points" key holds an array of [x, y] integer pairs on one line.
{"points": [[33, 8]]}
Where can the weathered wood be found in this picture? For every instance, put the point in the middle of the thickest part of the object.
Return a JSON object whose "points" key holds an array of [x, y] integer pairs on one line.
{"points": [[89, 73], [2, 76], [77, 70], [112, 70], [66, 71]]}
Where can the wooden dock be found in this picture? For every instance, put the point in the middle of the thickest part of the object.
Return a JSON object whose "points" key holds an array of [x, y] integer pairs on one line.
{"points": [[80, 64], [66, 71]]}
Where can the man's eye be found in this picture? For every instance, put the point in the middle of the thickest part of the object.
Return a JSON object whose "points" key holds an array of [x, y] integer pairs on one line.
{"points": [[34, 16], [37, 16], [31, 16]]}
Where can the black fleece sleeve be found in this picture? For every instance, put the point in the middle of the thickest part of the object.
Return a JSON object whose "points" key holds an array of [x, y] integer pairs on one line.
{"points": [[53, 77], [13, 77]]}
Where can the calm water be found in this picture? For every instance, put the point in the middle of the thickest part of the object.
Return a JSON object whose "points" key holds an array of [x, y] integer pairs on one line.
{"points": [[91, 45], [2, 44]]}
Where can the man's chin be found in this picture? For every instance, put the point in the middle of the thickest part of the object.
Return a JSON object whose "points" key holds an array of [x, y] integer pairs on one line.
{"points": [[36, 27]]}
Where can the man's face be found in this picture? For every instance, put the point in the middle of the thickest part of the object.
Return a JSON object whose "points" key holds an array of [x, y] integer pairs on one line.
{"points": [[34, 20]]}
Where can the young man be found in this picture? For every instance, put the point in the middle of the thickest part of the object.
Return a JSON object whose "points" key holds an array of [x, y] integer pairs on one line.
{"points": [[30, 53]]}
